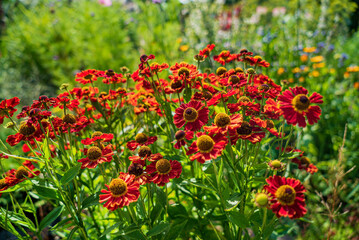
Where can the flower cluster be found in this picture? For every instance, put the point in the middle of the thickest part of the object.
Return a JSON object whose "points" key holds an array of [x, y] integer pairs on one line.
{"points": [[131, 141]]}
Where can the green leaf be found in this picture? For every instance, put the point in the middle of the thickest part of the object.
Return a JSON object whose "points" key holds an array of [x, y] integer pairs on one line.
{"points": [[91, 200], [70, 174], [175, 229], [160, 228], [46, 192], [72, 233], [233, 201], [187, 94], [161, 196], [177, 211], [238, 219], [109, 230], [156, 212], [18, 219], [140, 208], [49, 218]]}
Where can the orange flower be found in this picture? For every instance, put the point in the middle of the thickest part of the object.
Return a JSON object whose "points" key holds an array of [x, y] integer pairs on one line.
{"points": [[309, 49], [317, 59]]}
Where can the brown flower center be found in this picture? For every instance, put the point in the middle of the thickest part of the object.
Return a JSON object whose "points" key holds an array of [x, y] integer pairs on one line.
{"points": [[244, 129], [301, 102], [69, 118], [222, 120], [21, 173], [285, 195], [94, 153], [183, 71], [243, 99], [190, 114], [135, 169], [118, 187], [180, 135], [238, 70], [270, 123], [176, 84], [305, 160], [27, 129], [205, 144], [88, 76], [2, 183], [207, 95], [96, 134], [234, 79], [221, 70], [141, 138], [144, 151], [263, 87], [163, 166]]}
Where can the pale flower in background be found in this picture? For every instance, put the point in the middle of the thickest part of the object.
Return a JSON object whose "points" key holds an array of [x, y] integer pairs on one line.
{"points": [[106, 3]]}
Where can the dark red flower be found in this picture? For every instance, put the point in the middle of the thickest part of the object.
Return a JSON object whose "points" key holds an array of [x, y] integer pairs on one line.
{"points": [[305, 163], [225, 57], [206, 51], [180, 137], [7, 108], [193, 114], [295, 105]]}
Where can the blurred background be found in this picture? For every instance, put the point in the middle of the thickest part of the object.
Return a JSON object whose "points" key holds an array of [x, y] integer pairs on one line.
{"points": [[312, 43]]}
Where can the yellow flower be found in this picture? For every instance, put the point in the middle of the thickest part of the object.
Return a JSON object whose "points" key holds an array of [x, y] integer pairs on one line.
{"points": [[301, 79], [314, 74], [346, 75], [356, 85], [281, 71], [309, 49], [291, 80], [318, 65], [184, 48], [178, 40], [332, 70], [306, 69], [304, 58], [296, 70], [353, 69], [317, 59]]}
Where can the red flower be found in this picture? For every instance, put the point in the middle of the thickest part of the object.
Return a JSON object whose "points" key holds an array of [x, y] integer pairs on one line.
{"points": [[163, 170], [97, 137], [304, 163], [141, 139], [95, 156], [88, 76], [225, 57], [288, 196], [121, 192], [207, 146], [7, 108], [222, 122], [20, 174], [206, 51], [247, 131], [295, 105], [193, 114], [180, 137]]}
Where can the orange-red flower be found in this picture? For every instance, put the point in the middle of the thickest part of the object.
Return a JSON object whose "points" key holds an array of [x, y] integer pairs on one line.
{"points": [[88, 76], [296, 104], [95, 155], [288, 196], [206, 51], [225, 57], [305, 163], [141, 139], [193, 114], [161, 171], [121, 192]]}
